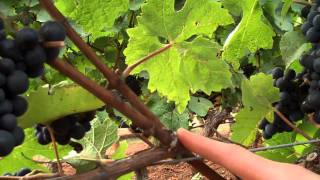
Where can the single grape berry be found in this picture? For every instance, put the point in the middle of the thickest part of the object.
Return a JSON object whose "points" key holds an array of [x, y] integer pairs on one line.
{"points": [[52, 31], [282, 84], [23, 172], [63, 139], [269, 131], [52, 53], [43, 140], [307, 61], [34, 57], [5, 107], [6, 66], [7, 143], [8, 122], [27, 38], [305, 11], [17, 83], [77, 131], [316, 21], [20, 105], [290, 75], [311, 15], [263, 123], [277, 73], [35, 71], [305, 27], [19, 135], [60, 126], [313, 35], [76, 146], [296, 115], [9, 49], [314, 99]]}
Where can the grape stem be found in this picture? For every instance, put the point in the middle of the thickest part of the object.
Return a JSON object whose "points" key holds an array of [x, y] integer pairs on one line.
{"points": [[130, 68], [295, 128], [158, 129], [302, 2], [53, 44], [55, 148]]}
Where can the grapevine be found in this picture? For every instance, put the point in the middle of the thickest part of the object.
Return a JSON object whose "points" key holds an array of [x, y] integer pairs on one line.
{"points": [[73, 73]]}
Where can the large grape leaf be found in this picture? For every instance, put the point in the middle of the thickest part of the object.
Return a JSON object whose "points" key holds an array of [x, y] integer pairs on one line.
{"points": [[187, 66], [103, 134], [292, 45], [65, 100], [95, 16], [30, 148], [258, 94], [251, 34]]}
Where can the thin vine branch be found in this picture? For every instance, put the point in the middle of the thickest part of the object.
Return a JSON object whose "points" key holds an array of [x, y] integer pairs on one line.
{"points": [[128, 70], [55, 148], [295, 128]]}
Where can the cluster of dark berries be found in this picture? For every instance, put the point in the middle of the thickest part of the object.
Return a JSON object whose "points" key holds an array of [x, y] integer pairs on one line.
{"points": [[21, 57], [73, 126], [289, 104], [21, 172]]}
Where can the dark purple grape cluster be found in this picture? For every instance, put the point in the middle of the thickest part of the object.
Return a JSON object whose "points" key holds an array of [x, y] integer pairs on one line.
{"points": [[72, 126], [289, 104], [311, 27], [21, 58], [21, 172]]}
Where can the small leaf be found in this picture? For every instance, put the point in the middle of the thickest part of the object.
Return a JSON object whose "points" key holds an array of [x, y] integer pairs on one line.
{"points": [[95, 143], [199, 105]]}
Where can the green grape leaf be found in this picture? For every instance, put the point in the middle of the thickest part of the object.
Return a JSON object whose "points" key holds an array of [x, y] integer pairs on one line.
{"points": [[95, 16], [292, 45], [65, 100], [284, 154], [251, 34], [30, 148], [199, 105], [102, 135], [258, 94], [186, 66]]}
